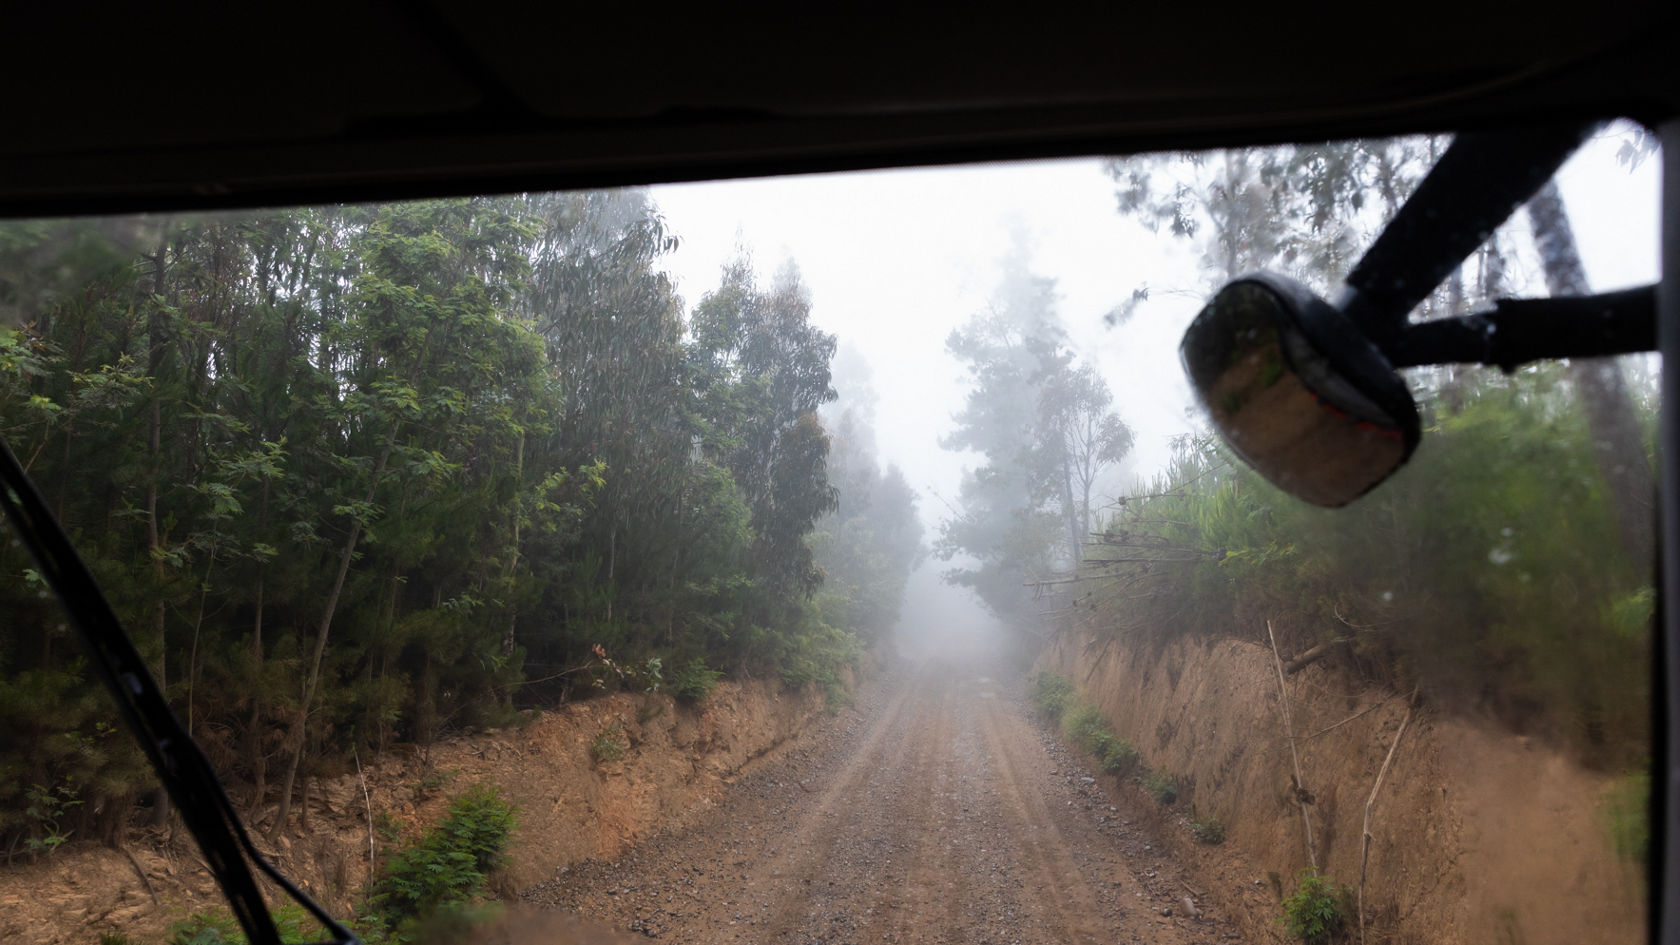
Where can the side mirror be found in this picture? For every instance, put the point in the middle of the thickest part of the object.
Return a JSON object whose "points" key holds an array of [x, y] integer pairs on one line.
{"points": [[1298, 391]]}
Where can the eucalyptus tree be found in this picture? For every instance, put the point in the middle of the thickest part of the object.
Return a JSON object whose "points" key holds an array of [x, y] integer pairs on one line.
{"points": [[761, 371], [1010, 348], [867, 547], [1080, 439]]}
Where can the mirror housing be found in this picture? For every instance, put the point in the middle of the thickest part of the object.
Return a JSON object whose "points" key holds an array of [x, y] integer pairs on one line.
{"points": [[1298, 391]]}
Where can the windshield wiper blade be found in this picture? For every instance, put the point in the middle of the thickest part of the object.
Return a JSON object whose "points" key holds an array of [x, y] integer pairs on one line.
{"points": [[180, 764]]}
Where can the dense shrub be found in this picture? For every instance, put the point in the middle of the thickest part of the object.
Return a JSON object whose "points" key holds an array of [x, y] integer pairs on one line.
{"points": [[1208, 829], [1161, 785], [1085, 726], [692, 680], [1490, 569], [447, 866], [1052, 693], [1314, 913]]}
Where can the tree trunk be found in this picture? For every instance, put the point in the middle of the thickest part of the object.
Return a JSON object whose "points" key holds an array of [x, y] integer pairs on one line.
{"points": [[154, 463], [512, 570], [256, 760], [1618, 443], [312, 682]]}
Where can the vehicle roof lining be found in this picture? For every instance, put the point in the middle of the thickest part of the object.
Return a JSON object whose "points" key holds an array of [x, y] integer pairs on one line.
{"points": [[198, 109]]}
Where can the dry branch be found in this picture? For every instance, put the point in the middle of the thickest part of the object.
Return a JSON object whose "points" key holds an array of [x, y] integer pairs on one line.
{"points": [[1294, 754], [1360, 714], [367, 805], [1365, 841], [1302, 660]]}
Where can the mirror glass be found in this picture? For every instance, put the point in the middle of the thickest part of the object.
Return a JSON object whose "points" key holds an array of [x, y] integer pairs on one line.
{"points": [[1294, 413]]}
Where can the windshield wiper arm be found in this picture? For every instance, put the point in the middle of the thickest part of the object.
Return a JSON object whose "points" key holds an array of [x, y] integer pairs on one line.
{"points": [[180, 764]]}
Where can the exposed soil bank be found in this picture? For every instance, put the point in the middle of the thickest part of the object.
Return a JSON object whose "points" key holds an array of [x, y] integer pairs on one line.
{"points": [[1477, 836], [570, 808]]}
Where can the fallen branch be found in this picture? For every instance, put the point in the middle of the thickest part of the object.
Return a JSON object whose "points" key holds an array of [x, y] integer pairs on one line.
{"points": [[140, 871], [1360, 714], [1365, 841], [1302, 660], [1295, 756]]}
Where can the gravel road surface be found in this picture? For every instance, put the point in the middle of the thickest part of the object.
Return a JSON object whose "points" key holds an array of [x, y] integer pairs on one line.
{"points": [[939, 810]]}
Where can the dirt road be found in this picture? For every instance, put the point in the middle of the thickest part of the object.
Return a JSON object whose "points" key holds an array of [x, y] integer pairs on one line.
{"points": [[942, 812]]}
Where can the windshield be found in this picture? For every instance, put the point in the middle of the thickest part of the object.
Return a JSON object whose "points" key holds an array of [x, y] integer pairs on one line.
{"points": [[826, 558]]}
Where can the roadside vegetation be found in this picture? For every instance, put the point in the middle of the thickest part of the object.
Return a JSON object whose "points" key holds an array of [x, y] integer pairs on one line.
{"points": [[1490, 571], [1085, 728], [436, 885], [357, 475], [1316, 912]]}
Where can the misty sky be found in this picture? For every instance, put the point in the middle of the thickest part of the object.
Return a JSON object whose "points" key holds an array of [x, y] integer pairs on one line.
{"points": [[895, 259]]}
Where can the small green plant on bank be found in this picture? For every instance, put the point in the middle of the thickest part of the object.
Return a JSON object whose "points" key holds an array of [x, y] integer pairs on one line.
{"points": [[1627, 816], [1208, 829], [1052, 693], [692, 681], [47, 809], [835, 695], [1084, 725], [610, 744], [447, 868], [1161, 786], [434, 782], [1314, 913], [1118, 756]]}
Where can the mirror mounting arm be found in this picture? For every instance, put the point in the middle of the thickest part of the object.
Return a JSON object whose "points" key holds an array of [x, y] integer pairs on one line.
{"points": [[1481, 180], [1517, 331]]}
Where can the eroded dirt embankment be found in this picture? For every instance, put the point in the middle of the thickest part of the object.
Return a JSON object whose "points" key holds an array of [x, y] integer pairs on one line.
{"points": [[570, 808], [1477, 835]]}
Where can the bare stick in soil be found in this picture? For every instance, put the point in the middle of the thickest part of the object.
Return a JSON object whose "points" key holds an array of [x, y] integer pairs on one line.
{"points": [[1294, 755], [367, 805], [1365, 842]]}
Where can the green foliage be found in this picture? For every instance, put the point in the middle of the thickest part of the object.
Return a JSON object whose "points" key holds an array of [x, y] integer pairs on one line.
{"points": [[407, 457], [1052, 693], [1315, 913], [609, 744], [1490, 570], [48, 810], [446, 867], [1208, 829], [1161, 785], [692, 680], [1085, 726], [1627, 817], [1117, 755]]}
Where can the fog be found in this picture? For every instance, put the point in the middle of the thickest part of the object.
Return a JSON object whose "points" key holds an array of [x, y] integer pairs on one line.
{"points": [[894, 260]]}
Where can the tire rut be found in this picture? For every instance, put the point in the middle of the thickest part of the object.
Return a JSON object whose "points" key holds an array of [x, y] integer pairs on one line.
{"points": [[936, 815]]}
